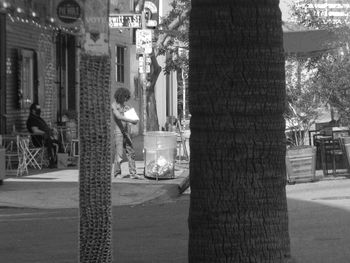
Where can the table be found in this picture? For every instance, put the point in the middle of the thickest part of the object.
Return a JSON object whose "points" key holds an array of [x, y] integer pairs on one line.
{"points": [[328, 146]]}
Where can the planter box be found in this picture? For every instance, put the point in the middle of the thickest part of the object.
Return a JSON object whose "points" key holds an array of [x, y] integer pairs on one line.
{"points": [[301, 164]]}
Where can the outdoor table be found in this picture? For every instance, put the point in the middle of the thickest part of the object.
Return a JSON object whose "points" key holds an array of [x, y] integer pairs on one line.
{"points": [[328, 146], [323, 144]]}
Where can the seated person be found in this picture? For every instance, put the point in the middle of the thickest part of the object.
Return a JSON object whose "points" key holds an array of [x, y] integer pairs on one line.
{"points": [[42, 134]]}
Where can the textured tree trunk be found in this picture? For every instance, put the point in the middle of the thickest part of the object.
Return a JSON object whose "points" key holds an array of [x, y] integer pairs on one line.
{"points": [[238, 209], [95, 233], [95, 206], [151, 107]]}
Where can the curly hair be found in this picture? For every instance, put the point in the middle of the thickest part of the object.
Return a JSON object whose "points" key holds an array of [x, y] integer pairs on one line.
{"points": [[122, 95]]}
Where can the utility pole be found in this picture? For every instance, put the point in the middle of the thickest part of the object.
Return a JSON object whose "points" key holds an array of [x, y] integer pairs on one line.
{"points": [[144, 79], [144, 43], [183, 94]]}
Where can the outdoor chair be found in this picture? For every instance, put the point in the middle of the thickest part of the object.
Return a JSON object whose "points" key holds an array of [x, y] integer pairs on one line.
{"points": [[33, 156], [182, 153], [331, 150], [9, 142]]}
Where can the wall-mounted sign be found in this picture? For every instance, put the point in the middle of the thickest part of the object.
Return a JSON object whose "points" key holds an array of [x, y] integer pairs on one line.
{"points": [[144, 41], [96, 43], [125, 21], [68, 11]]}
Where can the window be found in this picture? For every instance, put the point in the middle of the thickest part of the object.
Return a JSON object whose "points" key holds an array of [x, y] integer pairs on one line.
{"points": [[26, 78], [119, 63]]}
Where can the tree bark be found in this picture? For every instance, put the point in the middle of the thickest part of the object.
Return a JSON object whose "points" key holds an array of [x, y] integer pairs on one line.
{"points": [[151, 107], [238, 208], [95, 205]]}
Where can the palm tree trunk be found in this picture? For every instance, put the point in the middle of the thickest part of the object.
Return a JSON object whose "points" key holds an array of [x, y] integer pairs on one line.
{"points": [[95, 206], [238, 208]]}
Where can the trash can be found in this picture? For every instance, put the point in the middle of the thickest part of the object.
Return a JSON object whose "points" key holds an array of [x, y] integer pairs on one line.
{"points": [[159, 154]]}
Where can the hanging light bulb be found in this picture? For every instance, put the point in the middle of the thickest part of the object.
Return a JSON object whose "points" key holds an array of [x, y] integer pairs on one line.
{"points": [[5, 5], [19, 10]]}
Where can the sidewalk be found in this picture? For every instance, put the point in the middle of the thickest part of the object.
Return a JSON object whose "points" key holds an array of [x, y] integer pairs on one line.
{"points": [[59, 188]]}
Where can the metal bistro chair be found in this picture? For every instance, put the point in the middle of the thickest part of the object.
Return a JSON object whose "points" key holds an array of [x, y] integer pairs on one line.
{"points": [[331, 150], [181, 144], [33, 156], [10, 143]]}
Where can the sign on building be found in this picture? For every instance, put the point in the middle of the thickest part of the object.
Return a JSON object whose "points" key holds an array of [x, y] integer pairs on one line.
{"points": [[151, 13], [144, 41], [125, 21], [68, 11]]}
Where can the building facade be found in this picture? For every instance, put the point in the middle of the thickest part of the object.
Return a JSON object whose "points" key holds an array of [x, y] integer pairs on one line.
{"points": [[125, 64], [38, 64]]}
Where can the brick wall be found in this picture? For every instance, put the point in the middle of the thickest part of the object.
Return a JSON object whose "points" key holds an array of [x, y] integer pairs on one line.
{"points": [[26, 35]]}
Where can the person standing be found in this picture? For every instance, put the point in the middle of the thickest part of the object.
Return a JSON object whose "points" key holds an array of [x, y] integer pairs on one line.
{"points": [[122, 136]]}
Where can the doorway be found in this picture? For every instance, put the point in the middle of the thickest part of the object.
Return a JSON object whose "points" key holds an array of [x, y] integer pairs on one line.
{"points": [[2, 73], [66, 72]]}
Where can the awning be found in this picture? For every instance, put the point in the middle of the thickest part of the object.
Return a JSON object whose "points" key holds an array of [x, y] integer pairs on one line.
{"points": [[299, 40]]}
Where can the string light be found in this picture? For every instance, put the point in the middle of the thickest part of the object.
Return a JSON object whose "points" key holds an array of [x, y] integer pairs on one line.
{"points": [[18, 15], [5, 5]]}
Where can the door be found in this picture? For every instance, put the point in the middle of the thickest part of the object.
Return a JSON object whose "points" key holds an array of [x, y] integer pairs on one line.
{"points": [[2, 73], [66, 67]]}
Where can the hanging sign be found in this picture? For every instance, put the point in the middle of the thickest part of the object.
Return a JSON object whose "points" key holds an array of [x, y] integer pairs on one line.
{"points": [[68, 11], [151, 10]]}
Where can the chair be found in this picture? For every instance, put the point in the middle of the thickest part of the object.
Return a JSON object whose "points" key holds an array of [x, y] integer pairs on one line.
{"points": [[9, 142], [181, 143], [345, 144], [331, 150], [33, 156]]}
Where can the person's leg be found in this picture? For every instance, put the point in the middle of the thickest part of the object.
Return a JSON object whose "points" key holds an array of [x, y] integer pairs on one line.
{"points": [[130, 154], [51, 152], [118, 156]]}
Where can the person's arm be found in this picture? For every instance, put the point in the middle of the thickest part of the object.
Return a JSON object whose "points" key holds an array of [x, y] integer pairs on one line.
{"points": [[119, 116], [37, 131]]}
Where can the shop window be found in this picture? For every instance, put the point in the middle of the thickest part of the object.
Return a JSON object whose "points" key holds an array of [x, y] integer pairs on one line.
{"points": [[26, 63], [119, 63]]}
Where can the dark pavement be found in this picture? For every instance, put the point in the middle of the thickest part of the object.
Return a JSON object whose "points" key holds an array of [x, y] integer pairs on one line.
{"points": [[156, 231], [152, 232]]}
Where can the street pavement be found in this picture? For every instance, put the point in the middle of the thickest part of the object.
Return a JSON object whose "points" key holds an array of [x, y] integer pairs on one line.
{"points": [[60, 188], [37, 228]]}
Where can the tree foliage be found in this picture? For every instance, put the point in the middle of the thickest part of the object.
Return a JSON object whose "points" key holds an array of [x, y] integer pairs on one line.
{"points": [[170, 35], [302, 101], [331, 82], [175, 38]]}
